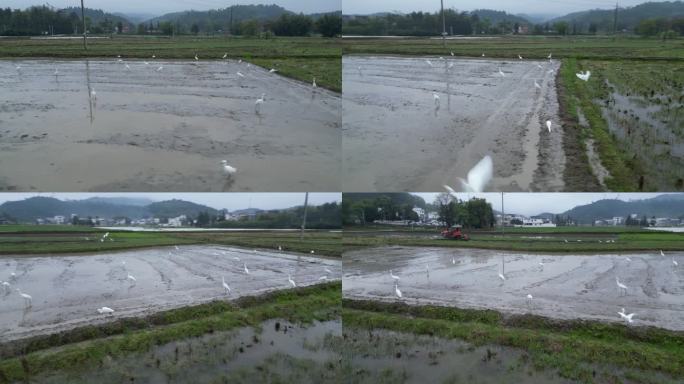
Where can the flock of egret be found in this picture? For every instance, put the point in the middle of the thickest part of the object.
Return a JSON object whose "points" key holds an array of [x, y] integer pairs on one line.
{"points": [[622, 288], [480, 175]]}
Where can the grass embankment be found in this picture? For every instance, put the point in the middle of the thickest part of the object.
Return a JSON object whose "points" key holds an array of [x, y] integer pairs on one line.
{"points": [[38, 239], [575, 348], [577, 242], [530, 47], [300, 58], [90, 346]]}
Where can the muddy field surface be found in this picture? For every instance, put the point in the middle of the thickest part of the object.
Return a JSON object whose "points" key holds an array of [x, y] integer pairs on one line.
{"points": [[397, 137], [564, 287], [147, 129], [380, 356], [67, 290], [277, 351]]}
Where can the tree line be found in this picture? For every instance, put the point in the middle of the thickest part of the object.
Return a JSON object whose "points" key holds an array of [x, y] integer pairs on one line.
{"points": [[474, 213], [42, 20], [467, 23]]}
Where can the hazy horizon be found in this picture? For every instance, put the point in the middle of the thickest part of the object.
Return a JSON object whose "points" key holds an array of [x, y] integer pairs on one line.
{"points": [[158, 8], [230, 201], [531, 204], [532, 7]]}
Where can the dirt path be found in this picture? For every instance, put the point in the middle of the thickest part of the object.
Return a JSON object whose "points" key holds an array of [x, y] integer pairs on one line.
{"points": [[396, 138]]}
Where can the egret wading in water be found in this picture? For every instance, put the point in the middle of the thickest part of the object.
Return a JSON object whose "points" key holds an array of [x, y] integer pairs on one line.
{"points": [[396, 290], [160, 68], [429, 63], [314, 83], [393, 276], [435, 96], [259, 102], [240, 75], [227, 169], [501, 73], [246, 270], [6, 286], [292, 283], [131, 279], [105, 311], [536, 85], [328, 271], [621, 287], [548, 125], [627, 318], [273, 70], [225, 286], [28, 300], [225, 55], [529, 299]]}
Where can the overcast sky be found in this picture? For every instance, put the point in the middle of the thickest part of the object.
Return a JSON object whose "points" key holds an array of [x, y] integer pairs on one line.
{"points": [[159, 7], [531, 204], [557, 7], [230, 201]]}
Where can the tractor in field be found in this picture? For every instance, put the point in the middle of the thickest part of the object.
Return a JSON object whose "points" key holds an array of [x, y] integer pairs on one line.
{"points": [[455, 233]]}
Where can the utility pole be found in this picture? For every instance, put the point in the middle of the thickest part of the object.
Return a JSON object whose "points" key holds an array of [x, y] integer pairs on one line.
{"points": [[85, 32], [230, 27], [503, 216], [615, 19], [306, 204], [443, 25]]}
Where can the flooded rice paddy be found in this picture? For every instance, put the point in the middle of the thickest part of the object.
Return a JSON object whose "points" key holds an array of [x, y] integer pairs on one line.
{"points": [[275, 352], [104, 125], [562, 286], [397, 137], [67, 289]]}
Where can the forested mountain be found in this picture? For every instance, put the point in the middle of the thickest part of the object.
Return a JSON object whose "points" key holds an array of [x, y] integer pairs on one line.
{"points": [[601, 20], [660, 206], [175, 208], [495, 17], [43, 20]]}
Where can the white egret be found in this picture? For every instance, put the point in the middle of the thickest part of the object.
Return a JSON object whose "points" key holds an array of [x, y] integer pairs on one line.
{"points": [[105, 311], [240, 61], [131, 278], [628, 259], [160, 68], [429, 62], [27, 298], [626, 317], [548, 125], [502, 277], [393, 276], [452, 53], [322, 278], [154, 56], [453, 261], [227, 169], [662, 253], [501, 73], [18, 68], [541, 266], [328, 271], [239, 74], [435, 96], [539, 66], [584, 75], [674, 262], [56, 72], [520, 57], [312, 252], [397, 291], [146, 62], [314, 83], [621, 287], [236, 258], [483, 55], [93, 94], [13, 276], [119, 60], [479, 176], [225, 286], [196, 58], [536, 85], [177, 249], [549, 57], [246, 270], [280, 248], [289, 279], [225, 55], [128, 67], [259, 102], [551, 71], [529, 299], [6, 286], [273, 70]]}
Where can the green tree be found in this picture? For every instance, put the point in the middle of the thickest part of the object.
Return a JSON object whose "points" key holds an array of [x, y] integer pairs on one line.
{"points": [[329, 25], [561, 27]]}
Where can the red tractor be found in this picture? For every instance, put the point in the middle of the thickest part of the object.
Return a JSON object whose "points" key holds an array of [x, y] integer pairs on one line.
{"points": [[455, 233]]}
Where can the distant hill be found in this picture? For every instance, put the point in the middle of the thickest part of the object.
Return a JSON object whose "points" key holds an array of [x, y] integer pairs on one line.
{"points": [[220, 18], [175, 208], [628, 18], [136, 17], [495, 17], [660, 206], [140, 202], [97, 16], [399, 198], [37, 207]]}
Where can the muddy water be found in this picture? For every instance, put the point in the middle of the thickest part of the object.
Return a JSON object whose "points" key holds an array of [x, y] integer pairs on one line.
{"points": [[565, 287], [395, 357], [275, 352], [67, 290], [169, 130], [396, 137], [652, 133]]}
